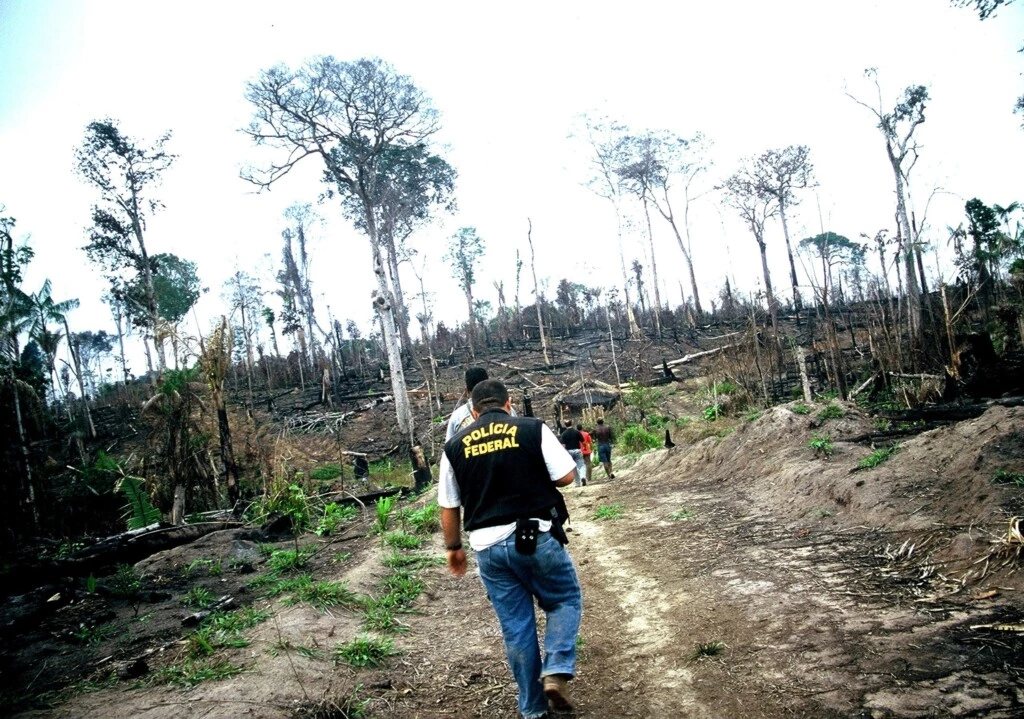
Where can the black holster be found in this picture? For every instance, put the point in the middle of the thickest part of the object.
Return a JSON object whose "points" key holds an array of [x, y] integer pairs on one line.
{"points": [[527, 531], [556, 528]]}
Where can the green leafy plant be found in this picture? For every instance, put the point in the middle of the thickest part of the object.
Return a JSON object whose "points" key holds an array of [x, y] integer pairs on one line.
{"points": [[90, 584], [212, 567], [831, 411], [821, 444], [334, 516], [365, 652], [878, 456], [684, 513], [712, 412], [139, 512], [93, 634], [199, 597], [642, 399], [1003, 476], [612, 511], [383, 507], [800, 408], [636, 439], [325, 472], [753, 415]]}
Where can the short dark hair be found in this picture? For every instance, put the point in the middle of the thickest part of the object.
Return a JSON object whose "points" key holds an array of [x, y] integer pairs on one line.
{"points": [[489, 394], [579, 427], [474, 376], [600, 420]]}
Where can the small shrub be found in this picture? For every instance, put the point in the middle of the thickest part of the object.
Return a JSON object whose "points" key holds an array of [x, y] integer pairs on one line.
{"points": [[753, 415], [682, 422], [365, 652], [612, 511], [706, 650], [832, 411], [878, 456], [402, 588], [381, 616], [288, 560], [126, 583], [800, 408], [821, 444], [325, 472], [724, 388], [712, 412], [636, 439]]}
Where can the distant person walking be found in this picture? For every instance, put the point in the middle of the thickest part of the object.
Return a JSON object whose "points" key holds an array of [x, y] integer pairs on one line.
{"points": [[462, 417], [588, 449], [502, 472], [572, 440], [604, 436]]}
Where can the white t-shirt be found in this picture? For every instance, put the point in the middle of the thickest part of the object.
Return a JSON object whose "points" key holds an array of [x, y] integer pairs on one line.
{"points": [[558, 463]]}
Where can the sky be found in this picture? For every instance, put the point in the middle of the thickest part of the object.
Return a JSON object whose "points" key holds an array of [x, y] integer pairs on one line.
{"points": [[510, 81]]}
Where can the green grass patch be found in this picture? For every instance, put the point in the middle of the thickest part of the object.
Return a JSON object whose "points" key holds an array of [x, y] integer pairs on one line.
{"points": [[382, 616], [1002, 476], [199, 598], [403, 540], [753, 415], [684, 513], [611, 511], [325, 472], [878, 456], [832, 411], [712, 412], [395, 560], [289, 560], [334, 517], [365, 652], [401, 588], [425, 520], [324, 594], [210, 567], [196, 671], [800, 408]]}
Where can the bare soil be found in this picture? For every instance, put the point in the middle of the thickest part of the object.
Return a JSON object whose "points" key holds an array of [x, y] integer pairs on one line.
{"points": [[747, 576]]}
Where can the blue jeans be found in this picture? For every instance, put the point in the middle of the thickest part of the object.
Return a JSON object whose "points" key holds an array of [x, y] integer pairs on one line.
{"points": [[513, 581], [581, 466]]}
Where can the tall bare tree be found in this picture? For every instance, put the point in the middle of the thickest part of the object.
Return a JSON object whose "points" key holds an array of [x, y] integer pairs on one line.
{"points": [[606, 143], [743, 193], [465, 248], [651, 163], [124, 171], [349, 115], [780, 174], [897, 127]]}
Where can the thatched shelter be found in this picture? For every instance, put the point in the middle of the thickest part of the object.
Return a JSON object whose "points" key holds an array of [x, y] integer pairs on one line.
{"points": [[586, 400]]}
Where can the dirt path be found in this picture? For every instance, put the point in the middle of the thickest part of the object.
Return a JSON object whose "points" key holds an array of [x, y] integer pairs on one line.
{"points": [[828, 593]]}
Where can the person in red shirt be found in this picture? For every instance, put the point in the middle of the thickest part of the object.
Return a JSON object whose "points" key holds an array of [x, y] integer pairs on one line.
{"points": [[587, 447]]}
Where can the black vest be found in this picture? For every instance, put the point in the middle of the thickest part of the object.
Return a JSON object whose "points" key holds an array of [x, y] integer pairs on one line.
{"points": [[500, 470]]}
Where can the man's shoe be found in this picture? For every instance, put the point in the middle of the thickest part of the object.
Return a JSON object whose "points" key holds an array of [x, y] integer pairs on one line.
{"points": [[556, 689], [611, 476]]}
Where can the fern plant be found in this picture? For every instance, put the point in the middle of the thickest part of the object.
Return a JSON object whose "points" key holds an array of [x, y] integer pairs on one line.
{"points": [[139, 512]]}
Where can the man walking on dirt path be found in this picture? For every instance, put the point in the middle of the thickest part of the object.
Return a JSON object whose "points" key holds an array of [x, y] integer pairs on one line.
{"points": [[604, 436], [503, 472], [462, 417], [587, 448], [572, 440]]}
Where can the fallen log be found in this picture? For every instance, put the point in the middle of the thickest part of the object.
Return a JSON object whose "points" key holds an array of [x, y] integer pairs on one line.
{"points": [[696, 355]]}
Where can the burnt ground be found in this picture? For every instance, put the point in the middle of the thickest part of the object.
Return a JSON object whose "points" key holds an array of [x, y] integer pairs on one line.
{"points": [[737, 575]]}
